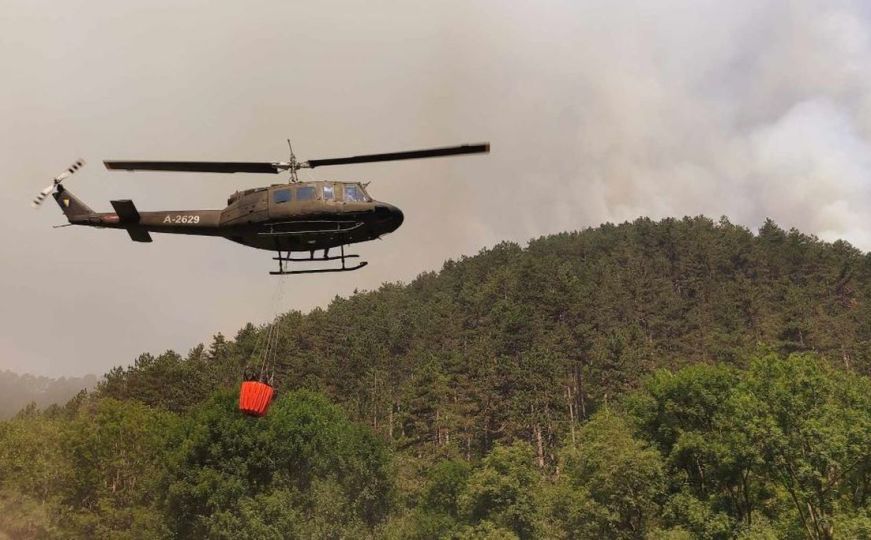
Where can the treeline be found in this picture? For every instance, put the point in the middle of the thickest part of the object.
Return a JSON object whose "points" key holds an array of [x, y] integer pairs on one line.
{"points": [[781, 449], [527, 343], [18, 391], [656, 380], [102, 468]]}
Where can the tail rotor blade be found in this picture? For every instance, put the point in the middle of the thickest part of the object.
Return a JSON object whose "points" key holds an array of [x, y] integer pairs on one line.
{"points": [[71, 170], [42, 195]]}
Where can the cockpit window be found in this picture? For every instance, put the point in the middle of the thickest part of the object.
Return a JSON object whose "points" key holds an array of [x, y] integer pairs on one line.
{"points": [[305, 193], [354, 194], [328, 192], [281, 196]]}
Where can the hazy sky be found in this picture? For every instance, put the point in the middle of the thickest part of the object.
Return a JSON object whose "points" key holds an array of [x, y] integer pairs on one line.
{"points": [[596, 111]]}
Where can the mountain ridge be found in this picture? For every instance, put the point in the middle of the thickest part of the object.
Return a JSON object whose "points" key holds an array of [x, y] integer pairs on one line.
{"points": [[18, 390], [519, 342], [675, 379]]}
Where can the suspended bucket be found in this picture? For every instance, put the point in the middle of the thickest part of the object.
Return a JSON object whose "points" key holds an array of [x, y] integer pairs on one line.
{"points": [[255, 397]]}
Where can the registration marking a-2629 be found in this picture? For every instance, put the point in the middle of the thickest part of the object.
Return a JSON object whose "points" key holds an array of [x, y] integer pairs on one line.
{"points": [[180, 219]]}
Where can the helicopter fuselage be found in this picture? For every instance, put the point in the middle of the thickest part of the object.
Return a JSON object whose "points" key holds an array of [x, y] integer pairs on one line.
{"points": [[301, 216]]}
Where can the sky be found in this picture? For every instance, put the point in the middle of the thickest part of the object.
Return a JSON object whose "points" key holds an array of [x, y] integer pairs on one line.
{"points": [[596, 111]]}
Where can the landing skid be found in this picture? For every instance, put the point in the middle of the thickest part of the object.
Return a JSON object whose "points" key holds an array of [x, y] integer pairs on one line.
{"points": [[326, 257], [309, 259], [319, 270]]}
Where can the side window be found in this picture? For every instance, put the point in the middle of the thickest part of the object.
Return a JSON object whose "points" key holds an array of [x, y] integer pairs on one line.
{"points": [[328, 192], [305, 193], [281, 196], [352, 194]]}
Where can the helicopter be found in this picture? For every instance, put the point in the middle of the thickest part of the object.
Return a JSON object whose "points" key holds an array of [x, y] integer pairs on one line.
{"points": [[311, 217]]}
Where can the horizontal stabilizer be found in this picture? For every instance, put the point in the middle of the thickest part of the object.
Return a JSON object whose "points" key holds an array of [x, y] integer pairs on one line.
{"points": [[138, 234], [127, 212]]}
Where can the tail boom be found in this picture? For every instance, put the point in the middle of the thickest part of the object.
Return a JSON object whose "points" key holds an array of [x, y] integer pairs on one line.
{"points": [[139, 224]]}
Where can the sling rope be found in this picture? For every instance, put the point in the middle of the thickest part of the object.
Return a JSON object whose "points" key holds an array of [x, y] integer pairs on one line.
{"points": [[270, 338]]}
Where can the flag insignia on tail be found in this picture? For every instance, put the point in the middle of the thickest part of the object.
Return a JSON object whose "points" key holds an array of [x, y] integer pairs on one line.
{"points": [[67, 203]]}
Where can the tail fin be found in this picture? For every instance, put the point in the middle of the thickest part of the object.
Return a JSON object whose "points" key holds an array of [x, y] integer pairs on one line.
{"points": [[73, 208]]}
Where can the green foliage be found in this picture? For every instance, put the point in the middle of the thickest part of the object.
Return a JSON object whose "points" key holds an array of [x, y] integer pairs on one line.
{"points": [[689, 417], [811, 426], [777, 450], [114, 453], [610, 481], [30, 470], [126, 470], [170, 381], [485, 530], [525, 343], [22, 516], [87, 473], [701, 519], [664, 380], [30, 455], [304, 461], [447, 479], [502, 490], [786, 443]]}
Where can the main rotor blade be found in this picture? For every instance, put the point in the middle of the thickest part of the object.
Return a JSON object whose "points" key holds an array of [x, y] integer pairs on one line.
{"points": [[199, 166], [278, 166], [396, 156]]}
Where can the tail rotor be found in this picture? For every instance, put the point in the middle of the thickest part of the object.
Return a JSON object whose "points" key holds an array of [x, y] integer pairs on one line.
{"points": [[56, 181]]}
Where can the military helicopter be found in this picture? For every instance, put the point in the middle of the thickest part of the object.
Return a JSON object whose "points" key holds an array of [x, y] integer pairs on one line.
{"points": [[297, 216]]}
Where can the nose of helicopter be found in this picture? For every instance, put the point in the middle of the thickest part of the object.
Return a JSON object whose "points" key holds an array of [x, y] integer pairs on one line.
{"points": [[396, 216], [391, 216]]}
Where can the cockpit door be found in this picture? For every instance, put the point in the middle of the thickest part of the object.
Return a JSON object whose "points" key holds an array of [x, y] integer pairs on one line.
{"points": [[328, 193], [279, 202]]}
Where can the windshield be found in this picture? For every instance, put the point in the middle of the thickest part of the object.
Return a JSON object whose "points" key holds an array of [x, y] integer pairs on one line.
{"points": [[354, 193]]}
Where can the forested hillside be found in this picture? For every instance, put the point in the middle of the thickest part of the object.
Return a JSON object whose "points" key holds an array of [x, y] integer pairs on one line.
{"points": [[520, 343], [673, 379]]}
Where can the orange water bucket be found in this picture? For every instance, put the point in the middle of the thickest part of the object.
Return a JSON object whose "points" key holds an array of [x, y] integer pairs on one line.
{"points": [[255, 397]]}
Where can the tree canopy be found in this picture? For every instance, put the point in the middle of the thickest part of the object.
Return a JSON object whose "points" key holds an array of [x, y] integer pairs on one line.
{"points": [[672, 379]]}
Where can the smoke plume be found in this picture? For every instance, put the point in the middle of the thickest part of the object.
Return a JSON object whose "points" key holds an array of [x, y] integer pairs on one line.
{"points": [[596, 111]]}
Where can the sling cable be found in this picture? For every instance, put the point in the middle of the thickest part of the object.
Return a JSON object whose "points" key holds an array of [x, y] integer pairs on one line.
{"points": [[257, 390]]}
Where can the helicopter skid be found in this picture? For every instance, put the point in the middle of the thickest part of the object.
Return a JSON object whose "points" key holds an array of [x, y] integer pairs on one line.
{"points": [[319, 270], [309, 259], [325, 257]]}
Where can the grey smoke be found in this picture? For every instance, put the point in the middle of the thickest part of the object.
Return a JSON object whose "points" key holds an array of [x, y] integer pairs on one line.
{"points": [[597, 111]]}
